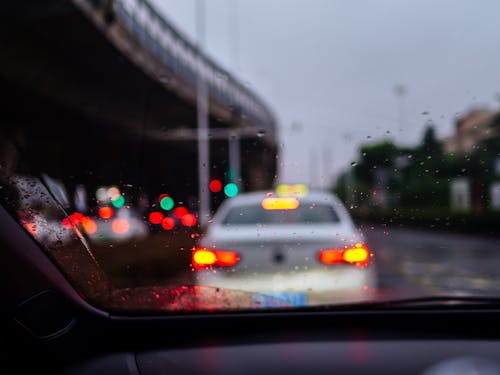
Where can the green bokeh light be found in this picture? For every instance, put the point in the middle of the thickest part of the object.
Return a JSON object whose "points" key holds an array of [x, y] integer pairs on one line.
{"points": [[118, 202], [167, 203], [231, 190]]}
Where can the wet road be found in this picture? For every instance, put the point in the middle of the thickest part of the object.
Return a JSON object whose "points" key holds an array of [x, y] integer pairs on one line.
{"points": [[435, 262]]}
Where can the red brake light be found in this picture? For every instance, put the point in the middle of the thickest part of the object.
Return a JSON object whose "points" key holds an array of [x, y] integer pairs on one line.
{"points": [[179, 212], [226, 258], [120, 226], [105, 212], [76, 218], [168, 223], [155, 217], [203, 257], [331, 256], [88, 225], [188, 220], [357, 255]]}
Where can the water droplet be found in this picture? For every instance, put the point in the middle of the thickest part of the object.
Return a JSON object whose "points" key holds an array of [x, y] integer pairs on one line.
{"points": [[353, 164], [164, 79], [261, 133]]}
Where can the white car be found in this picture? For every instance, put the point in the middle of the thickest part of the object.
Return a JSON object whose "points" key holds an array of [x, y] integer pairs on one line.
{"points": [[304, 249]]}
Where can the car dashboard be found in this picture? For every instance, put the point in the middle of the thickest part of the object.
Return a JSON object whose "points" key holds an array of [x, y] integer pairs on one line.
{"points": [[49, 327]]}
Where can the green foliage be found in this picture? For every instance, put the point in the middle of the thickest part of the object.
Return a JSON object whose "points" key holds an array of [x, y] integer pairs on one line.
{"points": [[417, 176]]}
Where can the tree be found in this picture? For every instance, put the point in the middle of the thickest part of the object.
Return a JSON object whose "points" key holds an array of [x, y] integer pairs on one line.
{"points": [[430, 146]]}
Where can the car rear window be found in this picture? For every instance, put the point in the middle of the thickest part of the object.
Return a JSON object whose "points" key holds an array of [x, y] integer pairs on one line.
{"points": [[304, 214]]}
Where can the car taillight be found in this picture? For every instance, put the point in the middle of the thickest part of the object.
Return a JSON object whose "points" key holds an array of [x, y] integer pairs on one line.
{"points": [[357, 255], [203, 257]]}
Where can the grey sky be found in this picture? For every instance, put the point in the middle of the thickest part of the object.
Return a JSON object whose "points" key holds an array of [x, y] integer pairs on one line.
{"points": [[332, 66]]}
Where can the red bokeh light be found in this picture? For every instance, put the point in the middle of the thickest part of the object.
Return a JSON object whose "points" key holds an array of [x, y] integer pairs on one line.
{"points": [[76, 217], [89, 225], [215, 186], [105, 212], [155, 217], [66, 223], [188, 220], [168, 223], [120, 226], [179, 212]]}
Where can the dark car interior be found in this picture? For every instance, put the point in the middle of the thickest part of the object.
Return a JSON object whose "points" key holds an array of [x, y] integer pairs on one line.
{"points": [[49, 328]]}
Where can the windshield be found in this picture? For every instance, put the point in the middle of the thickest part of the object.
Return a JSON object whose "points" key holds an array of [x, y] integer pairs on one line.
{"points": [[250, 155], [252, 215]]}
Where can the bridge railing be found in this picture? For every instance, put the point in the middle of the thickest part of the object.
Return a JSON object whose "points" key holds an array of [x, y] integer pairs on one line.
{"points": [[181, 56]]}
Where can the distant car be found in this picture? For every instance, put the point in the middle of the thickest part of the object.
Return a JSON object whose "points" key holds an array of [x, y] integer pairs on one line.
{"points": [[303, 248], [125, 224]]}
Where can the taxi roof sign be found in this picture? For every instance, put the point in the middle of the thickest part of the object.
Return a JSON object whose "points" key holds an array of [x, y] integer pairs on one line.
{"points": [[297, 190], [280, 203]]}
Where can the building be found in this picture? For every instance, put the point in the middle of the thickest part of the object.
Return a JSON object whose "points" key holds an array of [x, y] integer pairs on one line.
{"points": [[470, 129]]}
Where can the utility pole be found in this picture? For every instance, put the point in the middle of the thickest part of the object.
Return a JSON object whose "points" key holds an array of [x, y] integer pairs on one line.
{"points": [[202, 120], [313, 166], [400, 91], [234, 33], [327, 161], [234, 140]]}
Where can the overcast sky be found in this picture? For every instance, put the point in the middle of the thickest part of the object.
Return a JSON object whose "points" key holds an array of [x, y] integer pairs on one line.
{"points": [[331, 67]]}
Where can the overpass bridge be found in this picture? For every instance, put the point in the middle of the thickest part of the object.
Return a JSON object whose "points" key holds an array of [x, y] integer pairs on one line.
{"points": [[118, 78]]}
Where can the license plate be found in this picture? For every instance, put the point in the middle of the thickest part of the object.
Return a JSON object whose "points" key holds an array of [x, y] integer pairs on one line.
{"points": [[293, 298]]}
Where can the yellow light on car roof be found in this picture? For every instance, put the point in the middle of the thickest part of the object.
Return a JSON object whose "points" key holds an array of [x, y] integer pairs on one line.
{"points": [[298, 190], [280, 203]]}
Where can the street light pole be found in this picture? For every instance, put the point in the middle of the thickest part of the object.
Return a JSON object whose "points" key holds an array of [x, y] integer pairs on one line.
{"points": [[400, 91], [202, 120]]}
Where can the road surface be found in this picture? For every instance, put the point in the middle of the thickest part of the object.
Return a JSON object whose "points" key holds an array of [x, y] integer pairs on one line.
{"points": [[435, 262]]}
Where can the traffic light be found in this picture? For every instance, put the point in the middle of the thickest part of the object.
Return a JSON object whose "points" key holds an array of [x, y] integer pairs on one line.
{"points": [[215, 186], [231, 190]]}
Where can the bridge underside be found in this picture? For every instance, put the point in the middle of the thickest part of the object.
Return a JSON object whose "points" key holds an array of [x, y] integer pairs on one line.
{"points": [[70, 82]]}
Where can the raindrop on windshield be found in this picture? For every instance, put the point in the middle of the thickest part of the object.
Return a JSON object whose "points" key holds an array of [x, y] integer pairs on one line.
{"points": [[164, 79]]}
